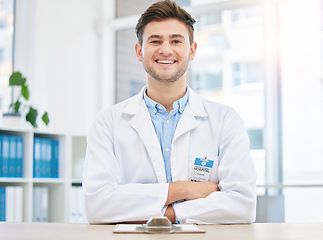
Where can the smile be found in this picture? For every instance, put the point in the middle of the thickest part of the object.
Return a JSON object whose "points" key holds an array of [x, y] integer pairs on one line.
{"points": [[165, 61]]}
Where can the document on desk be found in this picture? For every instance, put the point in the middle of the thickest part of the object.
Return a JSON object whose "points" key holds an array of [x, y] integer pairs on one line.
{"points": [[133, 228]]}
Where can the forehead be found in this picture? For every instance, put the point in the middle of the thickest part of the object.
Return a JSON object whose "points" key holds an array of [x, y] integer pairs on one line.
{"points": [[167, 27]]}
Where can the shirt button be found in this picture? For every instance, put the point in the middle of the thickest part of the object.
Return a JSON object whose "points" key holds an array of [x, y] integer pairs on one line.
{"points": [[167, 121], [159, 106], [154, 111], [168, 177], [167, 149]]}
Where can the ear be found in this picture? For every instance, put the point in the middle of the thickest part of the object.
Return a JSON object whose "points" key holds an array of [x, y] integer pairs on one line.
{"points": [[193, 50], [138, 50]]}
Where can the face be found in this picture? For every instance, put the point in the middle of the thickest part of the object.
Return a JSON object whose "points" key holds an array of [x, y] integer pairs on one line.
{"points": [[166, 50]]}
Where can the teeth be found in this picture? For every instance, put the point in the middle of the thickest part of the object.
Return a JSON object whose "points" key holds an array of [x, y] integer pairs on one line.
{"points": [[165, 61]]}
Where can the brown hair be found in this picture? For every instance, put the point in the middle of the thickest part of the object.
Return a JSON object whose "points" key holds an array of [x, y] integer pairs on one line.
{"points": [[162, 10]]}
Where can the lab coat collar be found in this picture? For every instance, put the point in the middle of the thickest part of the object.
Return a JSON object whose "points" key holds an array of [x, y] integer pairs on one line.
{"points": [[193, 110], [196, 105]]}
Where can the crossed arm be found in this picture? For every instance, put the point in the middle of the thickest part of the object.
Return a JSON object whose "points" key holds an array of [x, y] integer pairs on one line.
{"points": [[187, 191]]}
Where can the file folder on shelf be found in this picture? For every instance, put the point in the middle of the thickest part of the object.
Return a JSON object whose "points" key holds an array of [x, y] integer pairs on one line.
{"points": [[46, 158], [11, 156]]}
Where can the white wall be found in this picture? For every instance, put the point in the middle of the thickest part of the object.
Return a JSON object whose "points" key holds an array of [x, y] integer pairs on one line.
{"points": [[59, 50]]}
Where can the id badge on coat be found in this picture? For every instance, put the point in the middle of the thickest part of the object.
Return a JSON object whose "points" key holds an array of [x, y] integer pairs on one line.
{"points": [[202, 170]]}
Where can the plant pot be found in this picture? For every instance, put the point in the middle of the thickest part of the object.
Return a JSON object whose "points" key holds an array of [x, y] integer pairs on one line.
{"points": [[12, 120]]}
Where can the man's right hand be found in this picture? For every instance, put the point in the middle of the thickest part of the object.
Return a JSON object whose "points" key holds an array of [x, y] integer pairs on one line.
{"points": [[190, 190]]}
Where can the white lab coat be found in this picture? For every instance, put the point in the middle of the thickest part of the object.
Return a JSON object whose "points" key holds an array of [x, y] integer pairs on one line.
{"points": [[124, 173]]}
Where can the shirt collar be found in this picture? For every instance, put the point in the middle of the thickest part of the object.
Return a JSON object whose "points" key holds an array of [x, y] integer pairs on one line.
{"points": [[154, 107], [181, 103], [151, 104]]}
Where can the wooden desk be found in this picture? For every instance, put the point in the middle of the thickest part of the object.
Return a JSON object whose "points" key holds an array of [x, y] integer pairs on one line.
{"points": [[257, 231]]}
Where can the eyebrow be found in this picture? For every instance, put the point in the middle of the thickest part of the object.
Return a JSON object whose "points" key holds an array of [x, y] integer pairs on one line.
{"points": [[161, 37]]}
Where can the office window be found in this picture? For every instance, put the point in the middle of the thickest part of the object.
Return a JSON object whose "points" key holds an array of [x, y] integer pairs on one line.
{"points": [[302, 107], [6, 50], [302, 88], [246, 73], [125, 8], [241, 14], [256, 138], [207, 19], [207, 80], [130, 74]]}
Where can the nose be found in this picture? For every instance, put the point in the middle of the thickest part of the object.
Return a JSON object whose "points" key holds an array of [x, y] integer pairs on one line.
{"points": [[166, 49]]}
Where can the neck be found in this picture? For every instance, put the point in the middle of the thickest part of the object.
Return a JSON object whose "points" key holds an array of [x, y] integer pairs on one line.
{"points": [[166, 93]]}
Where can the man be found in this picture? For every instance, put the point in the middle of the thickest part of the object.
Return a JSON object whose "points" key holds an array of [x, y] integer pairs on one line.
{"points": [[166, 151]]}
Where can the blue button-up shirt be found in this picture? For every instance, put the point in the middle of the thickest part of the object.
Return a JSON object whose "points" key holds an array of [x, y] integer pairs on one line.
{"points": [[165, 125]]}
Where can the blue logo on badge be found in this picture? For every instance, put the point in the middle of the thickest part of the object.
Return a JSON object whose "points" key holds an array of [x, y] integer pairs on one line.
{"points": [[203, 162]]}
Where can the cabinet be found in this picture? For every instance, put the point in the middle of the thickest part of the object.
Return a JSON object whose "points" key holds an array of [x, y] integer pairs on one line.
{"points": [[72, 150]]}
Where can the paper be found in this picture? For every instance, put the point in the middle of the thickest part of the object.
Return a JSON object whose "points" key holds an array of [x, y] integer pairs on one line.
{"points": [[132, 228]]}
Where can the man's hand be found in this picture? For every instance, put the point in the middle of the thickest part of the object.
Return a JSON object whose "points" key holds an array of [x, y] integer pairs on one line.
{"points": [[189, 191], [170, 213]]}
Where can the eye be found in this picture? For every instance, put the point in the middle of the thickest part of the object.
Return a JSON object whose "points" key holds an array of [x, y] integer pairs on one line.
{"points": [[176, 41], [155, 41]]}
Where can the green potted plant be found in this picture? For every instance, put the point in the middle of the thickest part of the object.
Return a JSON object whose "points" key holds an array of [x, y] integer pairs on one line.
{"points": [[21, 104]]}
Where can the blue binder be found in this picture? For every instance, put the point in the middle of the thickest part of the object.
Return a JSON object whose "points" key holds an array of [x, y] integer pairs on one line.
{"points": [[37, 157], [12, 162], [5, 155], [20, 156], [2, 204], [47, 161], [55, 158], [1, 161], [43, 155]]}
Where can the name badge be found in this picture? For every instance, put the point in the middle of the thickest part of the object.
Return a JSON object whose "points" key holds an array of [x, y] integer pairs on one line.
{"points": [[202, 169]]}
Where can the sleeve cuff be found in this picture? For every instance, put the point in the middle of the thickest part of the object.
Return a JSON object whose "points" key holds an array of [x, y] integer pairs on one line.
{"points": [[176, 219]]}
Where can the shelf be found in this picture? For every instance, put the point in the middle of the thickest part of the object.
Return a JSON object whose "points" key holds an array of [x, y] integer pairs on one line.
{"points": [[14, 180], [59, 190], [49, 180]]}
